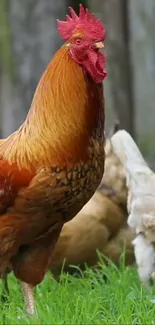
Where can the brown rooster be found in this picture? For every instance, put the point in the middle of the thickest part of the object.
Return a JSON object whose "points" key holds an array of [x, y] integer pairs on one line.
{"points": [[51, 166], [101, 224]]}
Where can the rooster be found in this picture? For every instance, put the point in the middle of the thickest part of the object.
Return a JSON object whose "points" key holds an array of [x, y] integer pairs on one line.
{"points": [[100, 225], [51, 166], [141, 203]]}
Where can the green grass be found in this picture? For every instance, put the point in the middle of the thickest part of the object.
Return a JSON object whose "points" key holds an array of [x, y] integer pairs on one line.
{"points": [[86, 300]]}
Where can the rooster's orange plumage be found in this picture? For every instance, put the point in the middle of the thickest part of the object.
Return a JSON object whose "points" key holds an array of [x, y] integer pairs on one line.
{"points": [[52, 165]]}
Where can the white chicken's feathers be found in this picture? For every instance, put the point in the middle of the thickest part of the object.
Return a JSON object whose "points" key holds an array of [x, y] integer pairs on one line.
{"points": [[127, 150], [141, 201], [131, 157], [140, 178], [145, 258]]}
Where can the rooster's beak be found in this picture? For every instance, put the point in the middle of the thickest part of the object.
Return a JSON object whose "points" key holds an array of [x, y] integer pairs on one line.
{"points": [[99, 45]]}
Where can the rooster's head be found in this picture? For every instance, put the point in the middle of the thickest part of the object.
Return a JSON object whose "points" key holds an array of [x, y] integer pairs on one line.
{"points": [[85, 35]]}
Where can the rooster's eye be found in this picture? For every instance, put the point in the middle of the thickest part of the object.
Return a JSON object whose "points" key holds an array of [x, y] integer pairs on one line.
{"points": [[78, 41]]}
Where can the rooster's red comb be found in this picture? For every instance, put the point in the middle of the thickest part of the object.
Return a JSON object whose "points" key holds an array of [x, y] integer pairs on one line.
{"points": [[86, 22]]}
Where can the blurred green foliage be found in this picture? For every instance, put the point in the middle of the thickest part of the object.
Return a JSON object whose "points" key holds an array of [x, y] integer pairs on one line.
{"points": [[5, 42]]}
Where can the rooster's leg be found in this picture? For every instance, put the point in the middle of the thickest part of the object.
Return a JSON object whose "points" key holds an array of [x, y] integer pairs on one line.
{"points": [[27, 290]]}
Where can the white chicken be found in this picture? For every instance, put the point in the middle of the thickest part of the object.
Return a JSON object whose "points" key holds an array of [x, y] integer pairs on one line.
{"points": [[141, 202]]}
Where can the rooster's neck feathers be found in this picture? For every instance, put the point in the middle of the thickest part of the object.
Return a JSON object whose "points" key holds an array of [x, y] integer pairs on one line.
{"points": [[63, 116]]}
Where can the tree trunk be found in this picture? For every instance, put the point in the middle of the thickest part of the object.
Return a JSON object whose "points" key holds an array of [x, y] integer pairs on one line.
{"points": [[118, 85], [30, 38], [142, 48]]}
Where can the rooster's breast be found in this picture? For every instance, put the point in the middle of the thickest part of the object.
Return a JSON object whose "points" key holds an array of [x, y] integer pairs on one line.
{"points": [[59, 193], [80, 182]]}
